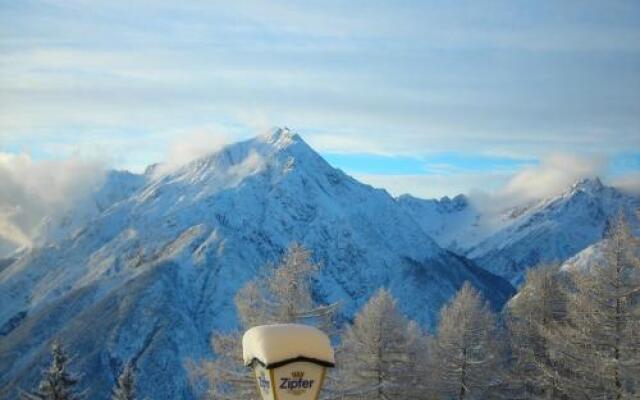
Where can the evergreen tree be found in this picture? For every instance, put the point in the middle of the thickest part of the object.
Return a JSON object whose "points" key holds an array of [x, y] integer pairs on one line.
{"points": [[600, 342], [378, 354], [467, 353], [419, 382], [124, 388], [281, 295], [228, 378], [540, 304], [57, 383]]}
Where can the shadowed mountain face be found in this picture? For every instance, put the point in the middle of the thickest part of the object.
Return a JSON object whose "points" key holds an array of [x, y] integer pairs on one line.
{"points": [[154, 273]]}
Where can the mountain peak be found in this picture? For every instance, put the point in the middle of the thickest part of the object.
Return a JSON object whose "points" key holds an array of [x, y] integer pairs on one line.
{"points": [[591, 185], [458, 203], [273, 156], [281, 137]]}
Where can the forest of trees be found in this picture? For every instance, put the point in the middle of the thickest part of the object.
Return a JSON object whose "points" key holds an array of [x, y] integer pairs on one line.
{"points": [[568, 334], [58, 383]]}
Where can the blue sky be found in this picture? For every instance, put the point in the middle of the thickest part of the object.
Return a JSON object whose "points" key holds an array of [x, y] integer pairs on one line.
{"points": [[429, 97]]}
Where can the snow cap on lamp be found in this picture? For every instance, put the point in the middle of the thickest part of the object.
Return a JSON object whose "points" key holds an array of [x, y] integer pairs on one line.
{"points": [[276, 345]]}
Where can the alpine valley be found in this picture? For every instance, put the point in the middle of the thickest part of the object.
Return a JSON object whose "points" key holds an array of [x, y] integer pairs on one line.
{"points": [[147, 267]]}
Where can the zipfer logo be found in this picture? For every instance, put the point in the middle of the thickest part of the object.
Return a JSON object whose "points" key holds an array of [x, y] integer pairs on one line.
{"points": [[296, 383]]}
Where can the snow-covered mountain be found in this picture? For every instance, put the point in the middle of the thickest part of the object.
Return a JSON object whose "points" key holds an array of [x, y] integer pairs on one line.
{"points": [[554, 229], [507, 243], [115, 186], [154, 272], [453, 223], [591, 256], [108, 189]]}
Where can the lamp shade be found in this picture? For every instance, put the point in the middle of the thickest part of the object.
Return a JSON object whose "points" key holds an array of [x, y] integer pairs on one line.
{"points": [[289, 360]]}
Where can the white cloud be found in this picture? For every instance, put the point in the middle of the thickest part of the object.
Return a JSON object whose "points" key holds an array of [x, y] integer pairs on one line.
{"points": [[553, 175], [191, 145], [250, 165], [493, 191], [34, 189]]}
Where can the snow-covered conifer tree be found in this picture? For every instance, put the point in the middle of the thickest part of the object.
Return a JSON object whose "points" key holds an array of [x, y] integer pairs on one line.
{"points": [[539, 305], [420, 382], [377, 357], [228, 378], [125, 387], [57, 382], [600, 342], [466, 353], [281, 295]]}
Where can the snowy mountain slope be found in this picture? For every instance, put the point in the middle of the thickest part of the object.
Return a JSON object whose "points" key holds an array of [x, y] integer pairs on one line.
{"points": [[6, 261], [585, 259], [554, 229], [454, 224], [154, 274], [114, 187]]}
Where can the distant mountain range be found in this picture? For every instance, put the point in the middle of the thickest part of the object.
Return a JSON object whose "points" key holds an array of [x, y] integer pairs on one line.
{"points": [[548, 230], [147, 267]]}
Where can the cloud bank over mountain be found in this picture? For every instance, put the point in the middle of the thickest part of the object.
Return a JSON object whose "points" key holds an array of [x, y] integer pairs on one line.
{"points": [[33, 190], [191, 145], [550, 177]]}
